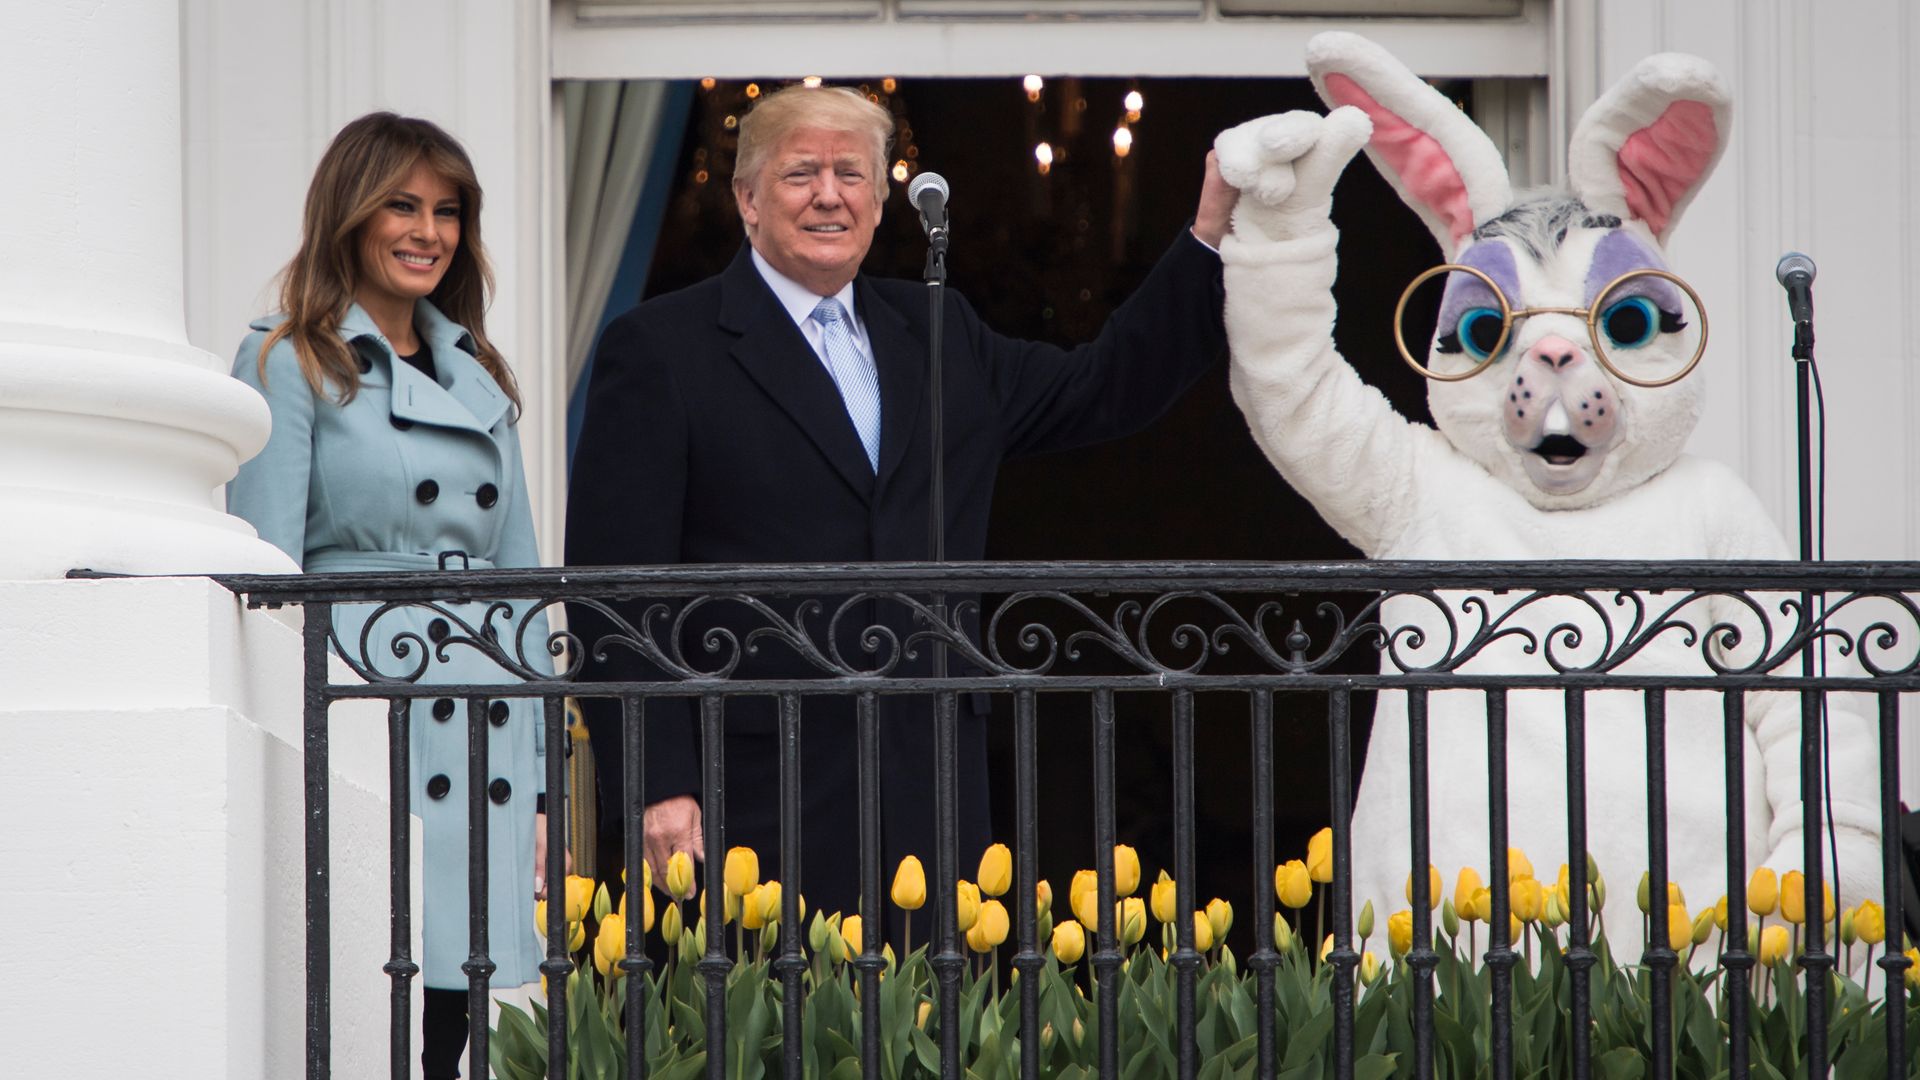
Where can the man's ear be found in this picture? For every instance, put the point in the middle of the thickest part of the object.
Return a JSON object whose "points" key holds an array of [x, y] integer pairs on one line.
{"points": [[743, 198]]}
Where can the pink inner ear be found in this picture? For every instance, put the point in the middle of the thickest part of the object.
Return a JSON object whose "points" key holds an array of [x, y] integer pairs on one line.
{"points": [[1426, 172], [1664, 161]]}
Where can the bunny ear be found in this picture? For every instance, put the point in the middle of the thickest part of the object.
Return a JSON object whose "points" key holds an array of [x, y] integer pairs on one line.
{"points": [[1647, 146], [1433, 154]]}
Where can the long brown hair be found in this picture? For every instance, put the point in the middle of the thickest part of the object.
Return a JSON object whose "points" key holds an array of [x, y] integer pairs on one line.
{"points": [[367, 161]]}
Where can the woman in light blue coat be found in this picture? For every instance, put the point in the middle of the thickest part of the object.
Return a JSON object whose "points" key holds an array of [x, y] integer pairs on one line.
{"points": [[393, 448]]}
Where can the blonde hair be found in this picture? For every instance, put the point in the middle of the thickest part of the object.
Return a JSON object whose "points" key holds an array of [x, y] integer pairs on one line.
{"points": [[364, 165], [832, 108]]}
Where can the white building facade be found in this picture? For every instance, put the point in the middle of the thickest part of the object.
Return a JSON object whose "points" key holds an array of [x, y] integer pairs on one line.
{"points": [[159, 154]]}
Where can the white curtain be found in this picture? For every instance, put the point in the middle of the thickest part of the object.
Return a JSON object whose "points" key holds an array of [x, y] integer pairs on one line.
{"points": [[610, 131]]}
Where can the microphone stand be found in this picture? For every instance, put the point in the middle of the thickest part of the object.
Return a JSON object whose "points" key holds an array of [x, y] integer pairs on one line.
{"points": [[947, 961], [1803, 365]]}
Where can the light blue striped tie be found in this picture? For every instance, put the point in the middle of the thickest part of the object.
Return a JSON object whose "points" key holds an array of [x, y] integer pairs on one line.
{"points": [[852, 371]]}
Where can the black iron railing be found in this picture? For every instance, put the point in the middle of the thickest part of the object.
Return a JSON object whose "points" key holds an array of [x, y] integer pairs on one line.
{"points": [[1172, 631]]}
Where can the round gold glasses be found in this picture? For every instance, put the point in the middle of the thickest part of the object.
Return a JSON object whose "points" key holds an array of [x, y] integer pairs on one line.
{"points": [[1617, 298]]}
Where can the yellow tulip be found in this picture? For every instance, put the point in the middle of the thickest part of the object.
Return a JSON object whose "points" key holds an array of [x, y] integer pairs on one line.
{"points": [[1069, 941], [851, 933], [1773, 944], [1463, 890], [1202, 932], [1793, 897], [1400, 933], [920, 1015], [1369, 967], [1449, 919], [576, 936], [1643, 896], [611, 943], [770, 897], [1763, 892], [1083, 896], [1326, 947], [1365, 924], [742, 870], [1479, 908], [1702, 926], [1720, 914], [1870, 922], [1913, 969], [1043, 897], [1518, 865], [977, 937], [753, 912], [1528, 899], [1126, 870], [1320, 856], [680, 875], [1433, 887], [540, 921], [910, 885], [1552, 916], [993, 917], [968, 895], [1826, 890], [670, 924], [646, 911], [1161, 898], [996, 870], [1283, 939], [1220, 914], [1679, 926], [579, 897], [1131, 917], [1516, 930], [1293, 884]]}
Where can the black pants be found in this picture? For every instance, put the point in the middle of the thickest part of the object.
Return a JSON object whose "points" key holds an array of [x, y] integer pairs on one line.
{"points": [[443, 1034]]}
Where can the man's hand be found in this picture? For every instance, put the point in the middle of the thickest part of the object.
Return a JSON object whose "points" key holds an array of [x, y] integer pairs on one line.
{"points": [[673, 825], [1217, 197]]}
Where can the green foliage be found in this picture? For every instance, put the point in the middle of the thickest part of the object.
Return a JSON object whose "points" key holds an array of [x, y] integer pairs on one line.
{"points": [[673, 1003]]}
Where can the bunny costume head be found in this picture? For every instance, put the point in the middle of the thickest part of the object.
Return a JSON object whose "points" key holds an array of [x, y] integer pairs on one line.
{"points": [[1557, 410]]}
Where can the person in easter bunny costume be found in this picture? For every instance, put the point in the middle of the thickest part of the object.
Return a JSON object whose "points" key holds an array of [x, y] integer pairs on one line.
{"points": [[1567, 445]]}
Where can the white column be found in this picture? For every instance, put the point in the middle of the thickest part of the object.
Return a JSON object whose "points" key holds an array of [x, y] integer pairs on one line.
{"points": [[115, 433]]}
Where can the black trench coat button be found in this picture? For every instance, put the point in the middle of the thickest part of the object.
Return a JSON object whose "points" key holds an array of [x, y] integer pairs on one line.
{"points": [[399, 423], [500, 791], [438, 787], [443, 709], [497, 713], [437, 630], [427, 491], [487, 496], [366, 365]]}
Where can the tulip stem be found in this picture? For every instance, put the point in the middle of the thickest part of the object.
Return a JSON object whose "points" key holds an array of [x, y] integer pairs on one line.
{"points": [[993, 969], [907, 940]]}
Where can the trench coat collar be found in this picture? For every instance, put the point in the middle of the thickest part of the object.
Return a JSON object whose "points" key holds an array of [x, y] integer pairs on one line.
{"points": [[773, 352], [469, 399]]}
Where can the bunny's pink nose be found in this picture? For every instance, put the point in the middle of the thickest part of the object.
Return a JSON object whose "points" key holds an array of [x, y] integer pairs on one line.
{"points": [[1556, 352]]}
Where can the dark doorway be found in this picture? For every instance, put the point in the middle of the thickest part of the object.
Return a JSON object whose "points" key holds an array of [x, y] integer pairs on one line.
{"points": [[1047, 257]]}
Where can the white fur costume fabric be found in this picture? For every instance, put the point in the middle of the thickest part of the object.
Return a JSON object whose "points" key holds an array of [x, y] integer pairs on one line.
{"points": [[1480, 488]]}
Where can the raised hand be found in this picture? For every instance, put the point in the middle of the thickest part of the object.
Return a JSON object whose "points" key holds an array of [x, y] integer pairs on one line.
{"points": [[1285, 167]]}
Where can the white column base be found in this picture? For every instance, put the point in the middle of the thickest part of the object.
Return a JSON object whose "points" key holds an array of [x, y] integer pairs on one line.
{"points": [[152, 904], [112, 451]]}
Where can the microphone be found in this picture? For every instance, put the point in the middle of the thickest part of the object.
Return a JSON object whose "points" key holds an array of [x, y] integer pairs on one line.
{"points": [[1796, 272], [928, 193]]}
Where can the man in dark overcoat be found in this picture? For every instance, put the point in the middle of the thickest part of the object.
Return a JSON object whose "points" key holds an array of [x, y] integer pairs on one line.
{"points": [[778, 413]]}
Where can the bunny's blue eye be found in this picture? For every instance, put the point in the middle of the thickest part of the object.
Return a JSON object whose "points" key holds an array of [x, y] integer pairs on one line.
{"points": [[1631, 323], [1478, 331]]}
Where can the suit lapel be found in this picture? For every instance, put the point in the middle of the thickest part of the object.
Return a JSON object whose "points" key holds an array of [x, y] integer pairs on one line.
{"points": [[901, 358], [777, 357]]}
